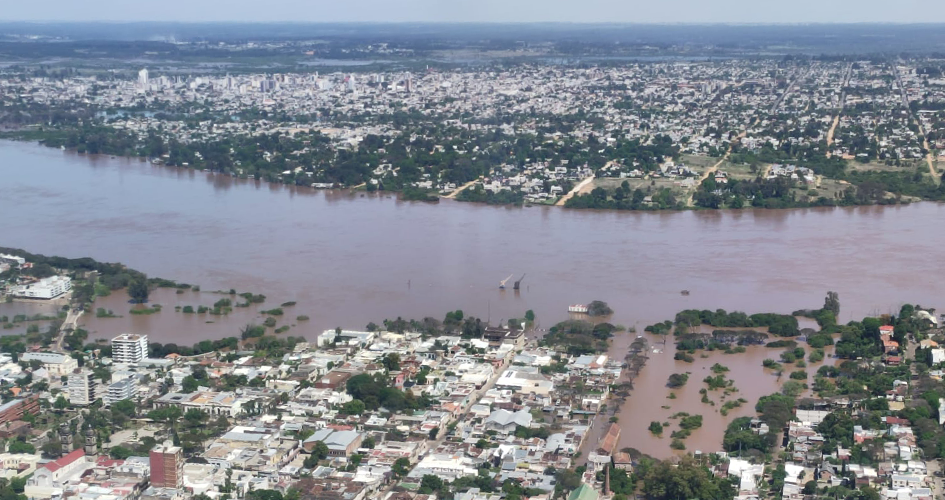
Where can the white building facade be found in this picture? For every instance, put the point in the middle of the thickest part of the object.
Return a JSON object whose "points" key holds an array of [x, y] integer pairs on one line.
{"points": [[46, 288], [129, 348], [83, 388]]}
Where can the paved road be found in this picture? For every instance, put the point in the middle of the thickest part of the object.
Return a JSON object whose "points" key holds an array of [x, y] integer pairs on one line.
{"points": [[70, 323]]}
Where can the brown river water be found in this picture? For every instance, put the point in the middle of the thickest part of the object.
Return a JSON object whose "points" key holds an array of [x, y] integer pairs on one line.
{"points": [[348, 258]]}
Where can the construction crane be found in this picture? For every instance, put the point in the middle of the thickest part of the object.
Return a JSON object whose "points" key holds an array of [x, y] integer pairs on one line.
{"points": [[503, 282], [518, 283]]}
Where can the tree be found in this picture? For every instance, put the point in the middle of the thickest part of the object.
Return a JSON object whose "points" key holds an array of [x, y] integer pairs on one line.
{"points": [[320, 450], [125, 407], [169, 414], [688, 479], [61, 403], [189, 384], [138, 290], [120, 452], [567, 480], [810, 487], [17, 446], [195, 418], [433, 432], [599, 308], [369, 442], [401, 467], [52, 449], [832, 303], [353, 407], [430, 484], [392, 362]]}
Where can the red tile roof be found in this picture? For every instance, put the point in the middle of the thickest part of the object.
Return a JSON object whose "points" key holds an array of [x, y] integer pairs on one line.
{"points": [[64, 461]]}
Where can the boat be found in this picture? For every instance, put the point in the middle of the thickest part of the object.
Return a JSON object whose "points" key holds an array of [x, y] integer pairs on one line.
{"points": [[684, 292], [503, 282], [577, 308]]}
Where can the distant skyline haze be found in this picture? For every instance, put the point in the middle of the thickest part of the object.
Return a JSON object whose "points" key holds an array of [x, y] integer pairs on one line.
{"points": [[502, 11]]}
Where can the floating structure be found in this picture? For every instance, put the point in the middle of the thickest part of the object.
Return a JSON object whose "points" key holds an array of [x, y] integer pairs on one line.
{"points": [[503, 282], [577, 308]]}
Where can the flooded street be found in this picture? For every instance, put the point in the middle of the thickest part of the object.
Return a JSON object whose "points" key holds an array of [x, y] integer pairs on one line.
{"points": [[349, 258]]}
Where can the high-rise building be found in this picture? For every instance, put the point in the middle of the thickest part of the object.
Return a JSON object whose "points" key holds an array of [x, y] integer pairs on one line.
{"points": [[143, 79], [83, 388], [121, 390], [129, 348], [167, 466]]}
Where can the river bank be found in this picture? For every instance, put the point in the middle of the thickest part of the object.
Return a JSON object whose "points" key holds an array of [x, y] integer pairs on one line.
{"points": [[662, 199], [351, 258]]}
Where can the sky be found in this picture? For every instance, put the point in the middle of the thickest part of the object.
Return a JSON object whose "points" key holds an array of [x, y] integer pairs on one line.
{"points": [[628, 11]]}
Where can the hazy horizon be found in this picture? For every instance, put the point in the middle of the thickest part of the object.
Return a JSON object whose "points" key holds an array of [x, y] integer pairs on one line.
{"points": [[484, 11]]}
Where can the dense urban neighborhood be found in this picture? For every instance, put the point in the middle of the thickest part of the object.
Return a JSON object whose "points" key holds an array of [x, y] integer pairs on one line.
{"points": [[775, 132], [459, 408], [355, 338]]}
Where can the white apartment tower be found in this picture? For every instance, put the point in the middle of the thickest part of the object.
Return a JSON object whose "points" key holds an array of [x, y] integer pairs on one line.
{"points": [[121, 390], [129, 348], [83, 388], [143, 79]]}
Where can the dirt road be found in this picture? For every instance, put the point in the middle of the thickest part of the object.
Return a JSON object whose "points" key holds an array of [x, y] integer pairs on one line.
{"points": [[577, 189], [461, 189]]}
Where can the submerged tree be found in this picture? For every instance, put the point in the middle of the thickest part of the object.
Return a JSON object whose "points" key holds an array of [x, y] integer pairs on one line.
{"points": [[138, 290], [832, 303], [599, 308]]}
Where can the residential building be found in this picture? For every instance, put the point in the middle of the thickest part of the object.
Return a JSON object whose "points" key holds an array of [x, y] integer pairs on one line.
{"points": [[524, 381], [129, 348], [83, 388], [506, 421], [121, 390], [17, 464], [167, 466]]}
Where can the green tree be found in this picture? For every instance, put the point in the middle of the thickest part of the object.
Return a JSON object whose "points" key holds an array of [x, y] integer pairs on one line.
{"points": [[52, 449], [320, 450], [17, 446], [61, 403], [401, 467], [125, 407], [392, 362], [189, 384], [688, 479], [353, 407], [120, 452], [430, 484], [138, 290]]}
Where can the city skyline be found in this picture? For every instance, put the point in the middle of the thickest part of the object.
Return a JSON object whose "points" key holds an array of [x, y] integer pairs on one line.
{"points": [[591, 11]]}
